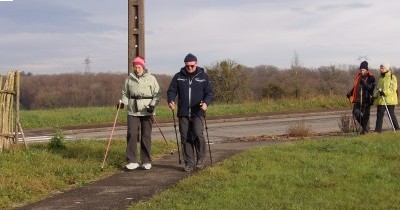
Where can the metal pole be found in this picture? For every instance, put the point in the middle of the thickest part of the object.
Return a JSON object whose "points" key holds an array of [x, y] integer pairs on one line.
{"points": [[154, 118], [176, 136], [387, 110], [208, 139]]}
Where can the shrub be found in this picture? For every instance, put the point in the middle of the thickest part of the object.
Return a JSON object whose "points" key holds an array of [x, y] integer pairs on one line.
{"points": [[57, 141], [347, 124], [299, 129]]}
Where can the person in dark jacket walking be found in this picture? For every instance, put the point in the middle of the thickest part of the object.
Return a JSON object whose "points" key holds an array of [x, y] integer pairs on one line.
{"points": [[362, 96], [194, 91]]}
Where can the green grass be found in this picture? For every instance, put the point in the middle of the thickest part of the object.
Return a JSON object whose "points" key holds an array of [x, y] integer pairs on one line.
{"points": [[57, 118], [31, 175], [334, 173], [34, 174]]}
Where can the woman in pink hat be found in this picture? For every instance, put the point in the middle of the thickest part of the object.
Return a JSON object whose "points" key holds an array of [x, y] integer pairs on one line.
{"points": [[140, 93]]}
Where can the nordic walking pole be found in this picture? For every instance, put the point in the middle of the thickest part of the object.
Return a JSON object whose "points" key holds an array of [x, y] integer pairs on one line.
{"points": [[112, 132], [208, 139], [166, 143], [387, 110], [176, 136], [361, 113]]}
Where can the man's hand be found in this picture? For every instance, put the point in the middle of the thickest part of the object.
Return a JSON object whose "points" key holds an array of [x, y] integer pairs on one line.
{"points": [[203, 106], [171, 105]]}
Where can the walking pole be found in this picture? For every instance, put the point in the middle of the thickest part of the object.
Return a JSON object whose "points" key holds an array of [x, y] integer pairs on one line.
{"points": [[176, 136], [352, 116], [387, 110], [208, 139], [166, 143], [112, 132], [361, 113]]}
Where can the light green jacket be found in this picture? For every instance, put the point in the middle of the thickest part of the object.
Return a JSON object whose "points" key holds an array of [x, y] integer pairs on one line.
{"points": [[145, 86], [388, 84]]}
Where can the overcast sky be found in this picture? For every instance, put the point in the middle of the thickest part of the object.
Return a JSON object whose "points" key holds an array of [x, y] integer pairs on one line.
{"points": [[54, 36]]}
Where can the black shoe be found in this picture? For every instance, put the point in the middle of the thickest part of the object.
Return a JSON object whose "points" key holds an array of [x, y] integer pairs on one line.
{"points": [[188, 168], [199, 165]]}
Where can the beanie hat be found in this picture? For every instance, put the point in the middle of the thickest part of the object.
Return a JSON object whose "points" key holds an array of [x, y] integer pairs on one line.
{"points": [[386, 66], [190, 57], [364, 65], [139, 61]]}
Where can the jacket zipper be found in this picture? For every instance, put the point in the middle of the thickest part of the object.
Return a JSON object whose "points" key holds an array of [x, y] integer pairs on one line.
{"points": [[190, 93]]}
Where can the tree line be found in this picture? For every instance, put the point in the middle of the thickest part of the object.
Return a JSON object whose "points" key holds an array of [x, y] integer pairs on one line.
{"points": [[232, 83]]}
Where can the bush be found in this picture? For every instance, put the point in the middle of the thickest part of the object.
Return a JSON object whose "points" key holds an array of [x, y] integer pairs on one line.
{"points": [[347, 124], [299, 129], [57, 142]]}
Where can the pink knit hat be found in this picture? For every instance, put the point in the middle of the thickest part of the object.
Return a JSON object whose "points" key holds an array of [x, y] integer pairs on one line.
{"points": [[139, 61]]}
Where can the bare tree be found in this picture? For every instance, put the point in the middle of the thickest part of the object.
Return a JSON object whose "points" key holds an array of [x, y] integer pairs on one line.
{"points": [[329, 76], [296, 68]]}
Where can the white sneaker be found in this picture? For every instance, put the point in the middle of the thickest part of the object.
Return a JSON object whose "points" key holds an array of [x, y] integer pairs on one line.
{"points": [[131, 166], [146, 166]]}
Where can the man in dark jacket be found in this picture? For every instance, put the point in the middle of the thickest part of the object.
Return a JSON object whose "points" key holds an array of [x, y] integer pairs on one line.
{"points": [[362, 96], [193, 88]]}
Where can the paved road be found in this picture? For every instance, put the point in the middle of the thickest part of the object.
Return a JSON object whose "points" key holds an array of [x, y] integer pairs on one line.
{"points": [[223, 129]]}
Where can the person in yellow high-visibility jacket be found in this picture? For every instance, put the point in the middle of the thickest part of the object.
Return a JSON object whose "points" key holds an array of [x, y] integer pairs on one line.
{"points": [[386, 97]]}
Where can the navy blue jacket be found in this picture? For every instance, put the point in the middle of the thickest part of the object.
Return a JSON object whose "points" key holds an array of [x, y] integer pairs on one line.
{"points": [[190, 91]]}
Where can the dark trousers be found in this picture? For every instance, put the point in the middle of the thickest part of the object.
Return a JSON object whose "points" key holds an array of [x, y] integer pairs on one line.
{"points": [[145, 123], [192, 139], [380, 112], [361, 114]]}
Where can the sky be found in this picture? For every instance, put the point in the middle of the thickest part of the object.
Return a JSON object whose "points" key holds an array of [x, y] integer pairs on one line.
{"points": [[53, 36]]}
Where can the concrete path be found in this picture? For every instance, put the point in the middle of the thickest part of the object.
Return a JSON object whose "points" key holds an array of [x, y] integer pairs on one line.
{"points": [[125, 188]]}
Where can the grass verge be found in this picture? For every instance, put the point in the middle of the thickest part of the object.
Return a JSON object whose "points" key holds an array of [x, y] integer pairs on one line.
{"points": [[334, 173]]}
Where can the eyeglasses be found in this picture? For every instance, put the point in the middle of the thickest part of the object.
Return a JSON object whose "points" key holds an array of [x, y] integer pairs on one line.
{"points": [[190, 66]]}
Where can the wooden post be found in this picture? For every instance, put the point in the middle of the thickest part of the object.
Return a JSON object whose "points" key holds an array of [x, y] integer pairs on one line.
{"points": [[136, 33], [16, 99], [9, 112]]}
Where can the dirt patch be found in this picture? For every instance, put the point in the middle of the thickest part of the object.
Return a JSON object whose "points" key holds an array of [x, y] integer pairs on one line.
{"points": [[283, 137]]}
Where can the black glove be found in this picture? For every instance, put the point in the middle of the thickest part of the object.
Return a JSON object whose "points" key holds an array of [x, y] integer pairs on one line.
{"points": [[150, 109], [120, 105], [349, 94], [381, 93]]}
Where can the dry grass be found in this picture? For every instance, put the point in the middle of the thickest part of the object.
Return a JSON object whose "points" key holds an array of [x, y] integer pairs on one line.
{"points": [[347, 124], [300, 129]]}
